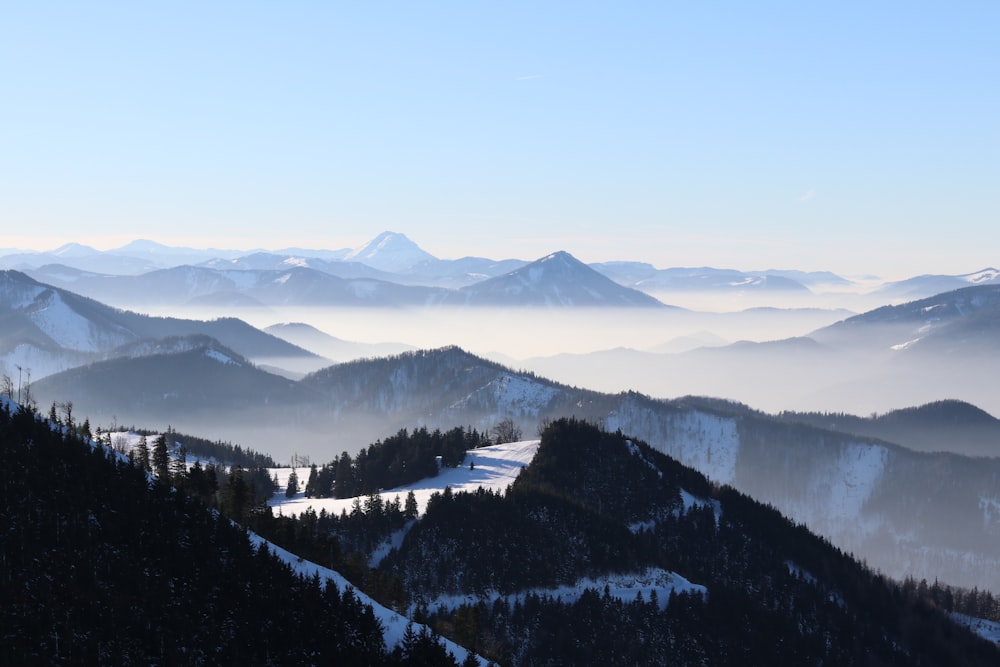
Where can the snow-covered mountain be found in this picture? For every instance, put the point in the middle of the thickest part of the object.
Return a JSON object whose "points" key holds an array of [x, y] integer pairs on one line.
{"points": [[392, 257], [959, 322], [931, 284], [558, 279], [292, 285], [390, 251], [47, 329], [704, 279]]}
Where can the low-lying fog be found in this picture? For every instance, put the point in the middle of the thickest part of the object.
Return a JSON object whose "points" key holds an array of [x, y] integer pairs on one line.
{"points": [[517, 334], [663, 353]]}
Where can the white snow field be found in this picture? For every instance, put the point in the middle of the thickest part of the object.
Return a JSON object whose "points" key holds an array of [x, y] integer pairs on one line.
{"points": [[493, 468]]}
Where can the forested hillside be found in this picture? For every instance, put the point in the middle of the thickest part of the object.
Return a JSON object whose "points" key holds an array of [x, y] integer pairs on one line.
{"points": [[103, 564], [503, 572]]}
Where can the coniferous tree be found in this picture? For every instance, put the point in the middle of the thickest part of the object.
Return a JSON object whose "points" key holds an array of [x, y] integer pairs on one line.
{"points": [[142, 453], [161, 459], [293, 484], [178, 467], [410, 510], [312, 483]]}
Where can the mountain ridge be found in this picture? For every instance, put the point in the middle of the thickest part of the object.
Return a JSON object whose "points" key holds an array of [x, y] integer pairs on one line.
{"points": [[394, 253]]}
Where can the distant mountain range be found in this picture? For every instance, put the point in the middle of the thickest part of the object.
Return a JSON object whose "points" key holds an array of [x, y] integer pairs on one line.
{"points": [[393, 258], [558, 280]]}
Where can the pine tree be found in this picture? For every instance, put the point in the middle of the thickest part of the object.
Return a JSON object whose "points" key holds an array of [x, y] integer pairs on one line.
{"points": [[311, 483], [410, 509], [293, 484], [142, 453], [178, 467], [161, 459]]}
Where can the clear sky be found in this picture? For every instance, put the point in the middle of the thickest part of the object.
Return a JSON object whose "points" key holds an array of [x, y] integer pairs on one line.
{"points": [[859, 137]]}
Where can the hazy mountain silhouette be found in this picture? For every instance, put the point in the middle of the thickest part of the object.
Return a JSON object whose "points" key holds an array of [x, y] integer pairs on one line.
{"points": [[558, 279]]}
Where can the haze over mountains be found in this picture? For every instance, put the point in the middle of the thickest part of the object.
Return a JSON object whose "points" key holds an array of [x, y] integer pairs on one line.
{"points": [[300, 386], [392, 257]]}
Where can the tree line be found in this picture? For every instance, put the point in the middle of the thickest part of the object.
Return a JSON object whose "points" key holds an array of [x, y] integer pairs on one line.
{"points": [[400, 459]]}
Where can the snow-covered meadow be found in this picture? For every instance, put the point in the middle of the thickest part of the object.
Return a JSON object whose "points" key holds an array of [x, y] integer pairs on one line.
{"points": [[493, 468]]}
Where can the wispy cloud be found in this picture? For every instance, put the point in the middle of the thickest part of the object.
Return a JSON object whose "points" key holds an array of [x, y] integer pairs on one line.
{"points": [[808, 195], [530, 76]]}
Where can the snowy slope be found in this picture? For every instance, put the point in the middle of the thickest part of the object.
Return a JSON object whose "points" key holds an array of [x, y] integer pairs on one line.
{"points": [[393, 625], [988, 630], [495, 468]]}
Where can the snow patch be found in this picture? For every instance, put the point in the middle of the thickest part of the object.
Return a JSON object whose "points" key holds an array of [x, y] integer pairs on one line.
{"points": [[835, 494], [64, 325], [394, 625], [984, 276], [493, 468], [624, 587], [858, 471], [903, 346], [395, 541], [991, 511], [691, 501], [795, 570], [220, 357], [988, 630], [708, 443]]}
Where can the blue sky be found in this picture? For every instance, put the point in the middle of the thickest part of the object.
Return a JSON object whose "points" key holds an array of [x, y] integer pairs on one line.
{"points": [[859, 137]]}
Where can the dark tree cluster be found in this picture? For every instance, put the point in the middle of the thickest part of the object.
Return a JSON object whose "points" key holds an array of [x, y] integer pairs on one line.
{"points": [[224, 452], [487, 541], [400, 459], [971, 602], [101, 565]]}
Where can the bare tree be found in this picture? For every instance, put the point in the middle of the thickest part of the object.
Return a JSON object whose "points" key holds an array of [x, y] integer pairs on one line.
{"points": [[506, 431], [24, 390]]}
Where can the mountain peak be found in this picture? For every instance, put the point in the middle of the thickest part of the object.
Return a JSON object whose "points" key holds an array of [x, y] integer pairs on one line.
{"points": [[144, 245], [74, 250], [390, 251], [558, 279]]}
